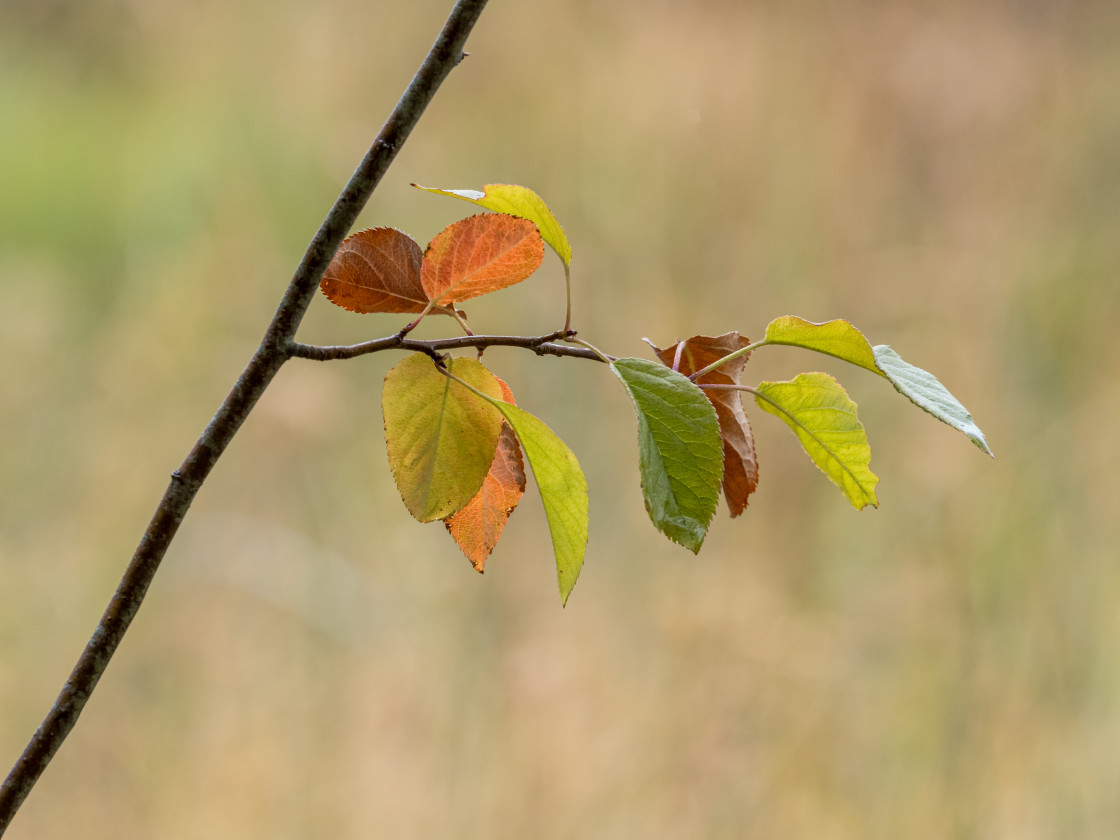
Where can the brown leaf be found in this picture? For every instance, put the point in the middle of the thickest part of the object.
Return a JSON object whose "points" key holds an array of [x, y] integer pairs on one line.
{"points": [[740, 465], [479, 255], [477, 527], [376, 270]]}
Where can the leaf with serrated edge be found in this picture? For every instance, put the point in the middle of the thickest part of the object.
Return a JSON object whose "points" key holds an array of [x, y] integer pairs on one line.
{"points": [[562, 487], [516, 201], [479, 255], [680, 453], [924, 390], [824, 419], [376, 270], [740, 463], [834, 338], [440, 436], [477, 528]]}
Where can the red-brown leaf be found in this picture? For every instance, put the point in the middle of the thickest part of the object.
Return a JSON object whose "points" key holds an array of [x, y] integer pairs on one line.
{"points": [[376, 270], [477, 527], [479, 255], [740, 465]]}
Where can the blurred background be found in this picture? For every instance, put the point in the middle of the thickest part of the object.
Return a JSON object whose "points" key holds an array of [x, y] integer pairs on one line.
{"points": [[311, 662]]}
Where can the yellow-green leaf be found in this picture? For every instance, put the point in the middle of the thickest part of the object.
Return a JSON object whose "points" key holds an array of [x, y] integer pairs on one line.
{"points": [[824, 419], [516, 201], [441, 436], [562, 487], [834, 338]]}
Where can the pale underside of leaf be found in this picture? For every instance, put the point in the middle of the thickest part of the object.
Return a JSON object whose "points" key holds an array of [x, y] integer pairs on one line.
{"points": [[679, 448], [479, 255], [376, 270], [824, 419], [441, 437], [518, 201], [477, 528], [740, 463], [834, 338], [924, 390]]}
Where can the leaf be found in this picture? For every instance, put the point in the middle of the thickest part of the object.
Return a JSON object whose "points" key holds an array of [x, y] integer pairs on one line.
{"points": [[562, 487], [834, 338], [441, 437], [740, 463], [376, 270], [478, 526], [563, 492], [679, 450], [925, 391], [824, 419], [479, 255], [516, 201]]}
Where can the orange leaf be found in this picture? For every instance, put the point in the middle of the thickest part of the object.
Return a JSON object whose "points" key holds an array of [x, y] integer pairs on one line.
{"points": [[479, 255], [376, 270], [477, 527], [740, 465]]}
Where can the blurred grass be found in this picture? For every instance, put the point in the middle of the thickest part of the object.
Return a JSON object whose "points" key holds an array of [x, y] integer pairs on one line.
{"points": [[313, 663]]}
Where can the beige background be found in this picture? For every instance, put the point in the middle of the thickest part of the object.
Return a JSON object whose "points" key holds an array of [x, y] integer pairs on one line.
{"points": [[313, 663]]}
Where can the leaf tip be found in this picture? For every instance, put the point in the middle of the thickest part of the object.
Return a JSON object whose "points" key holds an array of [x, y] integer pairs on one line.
{"points": [[566, 588]]}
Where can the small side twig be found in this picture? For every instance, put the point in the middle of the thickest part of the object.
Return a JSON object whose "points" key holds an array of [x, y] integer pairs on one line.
{"points": [[274, 350]]}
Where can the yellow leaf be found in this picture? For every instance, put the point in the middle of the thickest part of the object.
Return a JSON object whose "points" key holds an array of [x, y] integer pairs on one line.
{"points": [[514, 200], [441, 437]]}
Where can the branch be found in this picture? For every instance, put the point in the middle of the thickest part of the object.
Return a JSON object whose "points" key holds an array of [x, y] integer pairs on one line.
{"points": [[276, 348], [542, 345]]}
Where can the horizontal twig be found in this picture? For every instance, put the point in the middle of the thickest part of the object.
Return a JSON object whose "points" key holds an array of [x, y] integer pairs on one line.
{"points": [[542, 345]]}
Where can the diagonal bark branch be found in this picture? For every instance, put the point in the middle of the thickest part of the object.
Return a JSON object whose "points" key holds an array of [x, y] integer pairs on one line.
{"points": [[276, 348]]}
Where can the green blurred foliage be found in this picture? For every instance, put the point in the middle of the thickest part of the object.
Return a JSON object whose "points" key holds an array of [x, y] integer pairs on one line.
{"points": [[312, 662]]}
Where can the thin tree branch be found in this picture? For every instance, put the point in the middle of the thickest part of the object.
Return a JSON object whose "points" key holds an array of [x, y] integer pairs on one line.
{"points": [[542, 345], [275, 349]]}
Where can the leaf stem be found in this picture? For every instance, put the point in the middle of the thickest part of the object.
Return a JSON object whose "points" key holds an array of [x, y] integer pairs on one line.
{"points": [[454, 313], [598, 353], [276, 347], [568, 297], [730, 357]]}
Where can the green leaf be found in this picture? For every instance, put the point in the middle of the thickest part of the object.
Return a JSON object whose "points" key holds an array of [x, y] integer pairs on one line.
{"points": [[824, 419], [516, 201], [441, 436], [562, 487], [925, 391], [834, 338], [679, 447]]}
